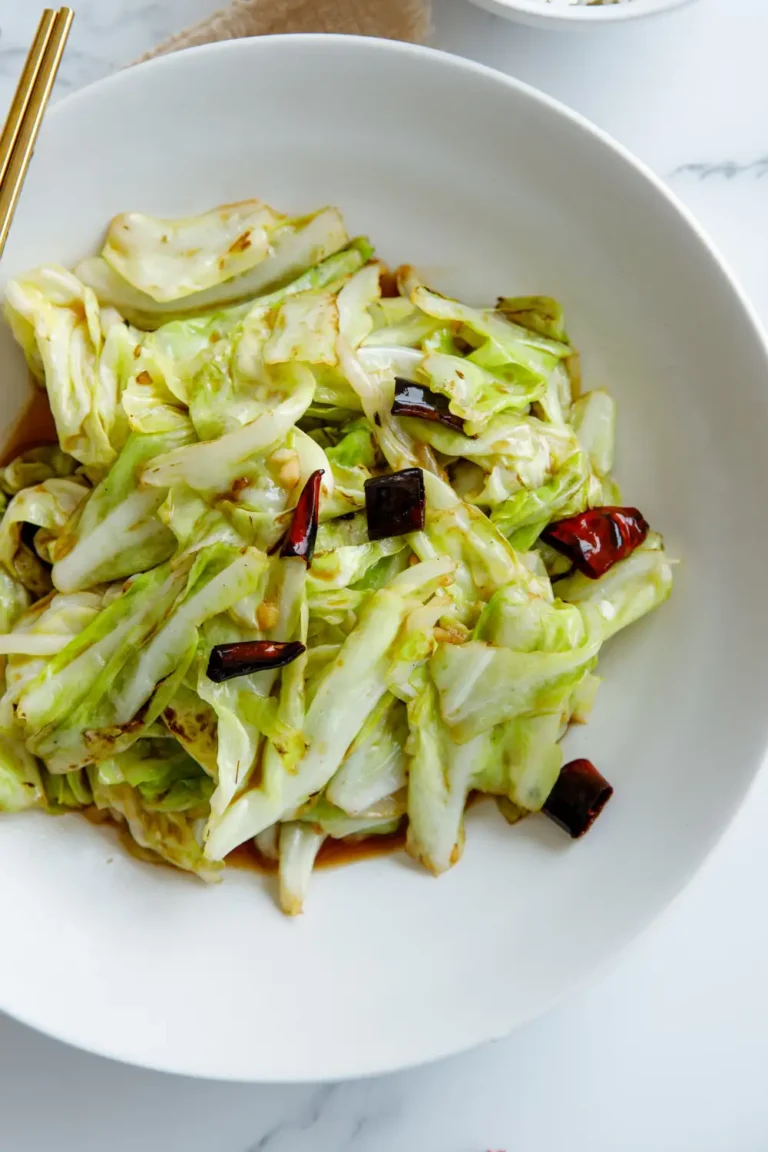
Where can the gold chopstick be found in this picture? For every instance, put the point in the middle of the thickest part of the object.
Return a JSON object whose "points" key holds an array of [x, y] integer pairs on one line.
{"points": [[26, 114], [23, 92]]}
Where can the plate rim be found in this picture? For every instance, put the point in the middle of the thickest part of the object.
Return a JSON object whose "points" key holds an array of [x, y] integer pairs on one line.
{"points": [[348, 1070]]}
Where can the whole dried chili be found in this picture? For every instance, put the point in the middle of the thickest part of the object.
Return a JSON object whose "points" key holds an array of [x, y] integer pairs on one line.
{"points": [[415, 400], [240, 659], [597, 539], [300, 538]]}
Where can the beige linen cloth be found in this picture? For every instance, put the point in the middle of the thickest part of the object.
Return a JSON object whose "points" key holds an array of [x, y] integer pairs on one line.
{"points": [[392, 19]]}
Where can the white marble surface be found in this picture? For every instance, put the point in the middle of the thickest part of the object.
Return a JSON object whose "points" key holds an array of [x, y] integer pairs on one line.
{"points": [[668, 1052]]}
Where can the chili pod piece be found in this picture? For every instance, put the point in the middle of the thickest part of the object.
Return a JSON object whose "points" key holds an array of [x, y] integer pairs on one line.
{"points": [[578, 797], [415, 400], [240, 659], [395, 504], [597, 539], [300, 538]]}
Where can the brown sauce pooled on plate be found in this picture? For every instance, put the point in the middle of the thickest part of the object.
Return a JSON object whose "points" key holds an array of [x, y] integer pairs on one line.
{"points": [[333, 854], [33, 429]]}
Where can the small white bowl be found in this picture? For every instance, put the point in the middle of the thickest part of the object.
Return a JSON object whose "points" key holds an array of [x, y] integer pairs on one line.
{"points": [[559, 14]]}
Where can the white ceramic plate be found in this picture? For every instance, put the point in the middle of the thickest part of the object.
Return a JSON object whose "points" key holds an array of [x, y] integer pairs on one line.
{"points": [[559, 14], [493, 189]]}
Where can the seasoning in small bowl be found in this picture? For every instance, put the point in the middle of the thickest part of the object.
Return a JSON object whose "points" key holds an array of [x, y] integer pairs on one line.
{"points": [[576, 13]]}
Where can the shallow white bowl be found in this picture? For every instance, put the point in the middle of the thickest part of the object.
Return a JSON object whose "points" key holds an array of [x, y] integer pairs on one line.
{"points": [[557, 14], [494, 189]]}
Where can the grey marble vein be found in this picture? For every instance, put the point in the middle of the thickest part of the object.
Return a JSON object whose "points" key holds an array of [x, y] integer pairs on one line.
{"points": [[339, 1118], [725, 169], [307, 1119]]}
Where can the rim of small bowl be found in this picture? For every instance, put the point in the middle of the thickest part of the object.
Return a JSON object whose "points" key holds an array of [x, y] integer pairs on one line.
{"points": [[581, 15]]}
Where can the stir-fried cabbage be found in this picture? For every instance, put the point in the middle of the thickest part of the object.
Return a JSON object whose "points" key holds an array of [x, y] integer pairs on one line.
{"points": [[206, 375]]}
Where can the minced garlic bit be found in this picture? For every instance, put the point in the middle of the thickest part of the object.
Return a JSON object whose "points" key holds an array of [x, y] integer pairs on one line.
{"points": [[267, 615]]}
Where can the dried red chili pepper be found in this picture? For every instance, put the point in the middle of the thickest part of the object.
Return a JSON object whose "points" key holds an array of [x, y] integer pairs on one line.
{"points": [[246, 656], [597, 539], [415, 400], [395, 504], [300, 538], [578, 797]]}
